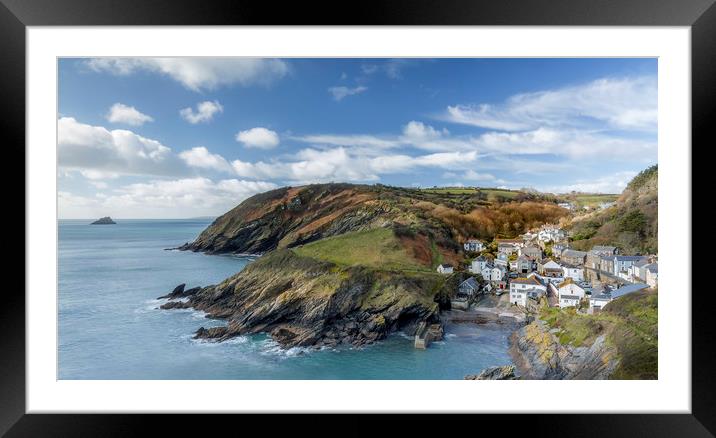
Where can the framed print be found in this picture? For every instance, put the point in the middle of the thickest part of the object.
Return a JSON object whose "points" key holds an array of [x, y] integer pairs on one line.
{"points": [[419, 209]]}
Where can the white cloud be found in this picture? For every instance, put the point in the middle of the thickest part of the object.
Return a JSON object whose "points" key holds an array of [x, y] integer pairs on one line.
{"points": [[568, 143], [615, 103], [204, 112], [261, 138], [614, 183], [199, 74], [342, 164], [101, 153], [121, 113], [478, 176], [419, 132], [367, 141], [200, 157], [94, 175], [163, 198], [369, 69], [392, 68], [340, 92]]}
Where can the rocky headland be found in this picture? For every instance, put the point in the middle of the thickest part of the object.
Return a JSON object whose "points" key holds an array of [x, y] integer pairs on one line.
{"points": [[344, 263]]}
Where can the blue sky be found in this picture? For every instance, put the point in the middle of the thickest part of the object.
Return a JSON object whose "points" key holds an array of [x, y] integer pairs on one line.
{"points": [[186, 137]]}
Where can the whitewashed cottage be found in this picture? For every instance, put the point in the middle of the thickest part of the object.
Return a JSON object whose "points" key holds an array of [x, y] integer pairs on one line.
{"points": [[569, 293]]}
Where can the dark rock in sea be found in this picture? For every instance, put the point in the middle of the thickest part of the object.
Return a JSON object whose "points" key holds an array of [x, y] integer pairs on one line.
{"points": [[211, 333], [179, 292], [104, 221], [175, 305], [506, 372]]}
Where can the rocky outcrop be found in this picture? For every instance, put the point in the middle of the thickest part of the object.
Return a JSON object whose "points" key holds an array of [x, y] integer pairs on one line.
{"points": [[304, 302], [180, 292], [538, 354], [104, 221], [506, 372]]}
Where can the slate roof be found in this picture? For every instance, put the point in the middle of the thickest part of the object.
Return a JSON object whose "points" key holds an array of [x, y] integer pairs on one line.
{"points": [[569, 297], [616, 293], [653, 268], [528, 280], [622, 258], [604, 248], [573, 253], [470, 282]]}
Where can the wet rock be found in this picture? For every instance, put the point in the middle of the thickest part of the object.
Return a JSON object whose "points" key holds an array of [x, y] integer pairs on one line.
{"points": [[506, 372]]}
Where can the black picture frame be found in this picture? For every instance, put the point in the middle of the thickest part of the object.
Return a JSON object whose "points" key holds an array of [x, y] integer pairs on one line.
{"points": [[16, 15]]}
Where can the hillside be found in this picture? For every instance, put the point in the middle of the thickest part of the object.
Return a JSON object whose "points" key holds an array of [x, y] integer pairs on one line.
{"points": [[293, 216], [621, 342], [631, 224], [302, 301], [347, 263]]}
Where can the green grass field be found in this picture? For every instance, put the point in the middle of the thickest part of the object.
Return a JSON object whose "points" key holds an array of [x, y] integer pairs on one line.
{"points": [[509, 194], [452, 190], [593, 200], [377, 248]]}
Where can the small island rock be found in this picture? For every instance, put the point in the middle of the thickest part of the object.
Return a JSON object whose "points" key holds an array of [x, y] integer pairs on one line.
{"points": [[104, 221]]}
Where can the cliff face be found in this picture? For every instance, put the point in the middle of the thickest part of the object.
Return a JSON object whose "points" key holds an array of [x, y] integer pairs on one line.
{"points": [[539, 354], [304, 302], [621, 342]]}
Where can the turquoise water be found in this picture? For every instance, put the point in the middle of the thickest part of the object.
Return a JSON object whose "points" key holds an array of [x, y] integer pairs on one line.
{"points": [[109, 327]]}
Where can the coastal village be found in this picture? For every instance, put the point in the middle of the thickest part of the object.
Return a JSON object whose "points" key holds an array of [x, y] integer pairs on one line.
{"points": [[540, 264]]}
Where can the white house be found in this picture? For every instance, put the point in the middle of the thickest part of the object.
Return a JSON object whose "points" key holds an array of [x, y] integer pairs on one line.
{"points": [[478, 265], [557, 249], [636, 271], [487, 272], [600, 297], [652, 274], [497, 274], [473, 245], [502, 260], [576, 273], [522, 288], [598, 301], [445, 269], [551, 234], [622, 263], [569, 293]]}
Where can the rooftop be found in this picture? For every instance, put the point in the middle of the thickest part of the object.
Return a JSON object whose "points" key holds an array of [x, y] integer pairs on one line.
{"points": [[604, 248], [628, 289], [569, 297], [528, 280]]}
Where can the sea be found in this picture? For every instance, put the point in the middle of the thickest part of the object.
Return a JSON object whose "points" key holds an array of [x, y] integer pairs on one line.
{"points": [[111, 327]]}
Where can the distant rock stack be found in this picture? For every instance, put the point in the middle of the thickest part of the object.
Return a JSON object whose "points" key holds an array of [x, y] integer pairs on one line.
{"points": [[104, 221]]}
